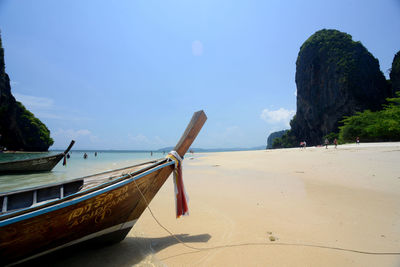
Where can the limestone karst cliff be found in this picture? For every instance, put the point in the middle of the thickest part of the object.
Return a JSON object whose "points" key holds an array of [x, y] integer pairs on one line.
{"points": [[395, 73], [335, 77], [19, 128]]}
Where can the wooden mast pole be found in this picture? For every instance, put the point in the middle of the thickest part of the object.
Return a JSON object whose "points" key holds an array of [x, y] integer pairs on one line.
{"points": [[193, 128]]}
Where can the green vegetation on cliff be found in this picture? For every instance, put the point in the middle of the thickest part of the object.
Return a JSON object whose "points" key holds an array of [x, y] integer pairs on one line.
{"points": [[337, 48], [287, 140], [273, 136], [25, 131], [19, 128], [383, 125], [33, 127]]}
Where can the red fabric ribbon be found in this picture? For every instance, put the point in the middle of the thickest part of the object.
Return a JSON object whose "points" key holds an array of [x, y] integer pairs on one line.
{"points": [[181, 198]]}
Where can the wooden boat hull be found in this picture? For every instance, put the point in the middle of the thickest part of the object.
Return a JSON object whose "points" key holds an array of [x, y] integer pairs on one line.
{"points": [[33, 165], [111, 210], [42, 164], [40, 220]]}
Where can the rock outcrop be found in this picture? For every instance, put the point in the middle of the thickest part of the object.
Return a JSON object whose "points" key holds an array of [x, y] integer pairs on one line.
{"points": [[395, 73], [273, 136], [19, 128], [335, 77]]}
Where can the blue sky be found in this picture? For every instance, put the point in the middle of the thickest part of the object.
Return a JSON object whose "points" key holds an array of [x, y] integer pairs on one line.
{"points": [[129, 74]]}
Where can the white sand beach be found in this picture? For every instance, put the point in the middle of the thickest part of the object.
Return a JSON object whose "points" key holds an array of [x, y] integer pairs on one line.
{"points": [[265, 208]]}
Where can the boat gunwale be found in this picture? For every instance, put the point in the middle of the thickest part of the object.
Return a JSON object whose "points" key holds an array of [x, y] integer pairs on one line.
{"points": [[32, 159], [10, 166], [6, 193], [22, 214]]}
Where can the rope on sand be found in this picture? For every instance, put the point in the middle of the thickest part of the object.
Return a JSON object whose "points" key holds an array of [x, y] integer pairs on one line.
{"points": [[260, 243]]}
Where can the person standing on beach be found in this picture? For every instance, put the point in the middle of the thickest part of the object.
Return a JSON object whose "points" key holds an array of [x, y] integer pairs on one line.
{"points": [[335, 142], [326, 143], [358, 140]]}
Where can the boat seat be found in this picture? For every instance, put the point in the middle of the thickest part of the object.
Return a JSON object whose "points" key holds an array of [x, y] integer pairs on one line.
{"points": [[33, 196]]}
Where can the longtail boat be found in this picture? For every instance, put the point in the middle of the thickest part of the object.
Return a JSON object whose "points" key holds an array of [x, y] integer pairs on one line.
{"points": [[39, 164], [101, 207]]}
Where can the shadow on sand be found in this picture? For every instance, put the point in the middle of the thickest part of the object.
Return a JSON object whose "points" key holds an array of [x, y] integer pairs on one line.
{"points": [[131, 251]]}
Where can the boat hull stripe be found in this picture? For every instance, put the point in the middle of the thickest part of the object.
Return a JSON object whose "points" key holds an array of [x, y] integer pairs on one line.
{"points": [[82, 239]]}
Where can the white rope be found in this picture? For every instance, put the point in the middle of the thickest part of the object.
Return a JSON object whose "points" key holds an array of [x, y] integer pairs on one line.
{"points": [[257, 243], [176, 155]]}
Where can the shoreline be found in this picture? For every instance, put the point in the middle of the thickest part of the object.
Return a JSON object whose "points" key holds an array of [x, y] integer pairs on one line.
{"points": [[247, 205]]}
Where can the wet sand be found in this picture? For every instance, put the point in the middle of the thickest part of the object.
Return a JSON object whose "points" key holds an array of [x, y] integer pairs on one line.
{"points": [[254, 207]]}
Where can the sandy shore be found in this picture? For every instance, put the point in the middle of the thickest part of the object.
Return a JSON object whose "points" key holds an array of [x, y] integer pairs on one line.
{"points": [[255, 206]]}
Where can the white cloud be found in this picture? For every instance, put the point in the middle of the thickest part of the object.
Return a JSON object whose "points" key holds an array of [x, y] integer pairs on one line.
{"points": [[72, 134], [295, 92], [83, 137], [223, 136], [197, 48], [139, 139], [45, 108], [159, 140], [34, 102], [280, 116]]}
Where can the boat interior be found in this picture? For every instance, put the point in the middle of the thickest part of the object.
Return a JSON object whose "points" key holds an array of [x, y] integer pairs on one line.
{"points": [[40, 195]]}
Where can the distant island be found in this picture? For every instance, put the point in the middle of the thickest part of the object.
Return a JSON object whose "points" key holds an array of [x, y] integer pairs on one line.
{"points": [[337, 77]]}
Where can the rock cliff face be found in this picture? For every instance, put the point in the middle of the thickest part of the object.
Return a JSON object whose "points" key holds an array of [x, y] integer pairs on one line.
{"points": [[395, 73], [335, 77], [19, 128], [273, 136]]}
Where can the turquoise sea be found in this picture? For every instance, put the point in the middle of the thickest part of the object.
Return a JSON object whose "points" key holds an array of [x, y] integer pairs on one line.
{"points": [[76, 166]]}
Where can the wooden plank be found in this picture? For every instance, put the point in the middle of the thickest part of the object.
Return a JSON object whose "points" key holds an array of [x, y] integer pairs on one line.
{"points": [[5, 200], [69, 147], [192, 130], [39, 187]]}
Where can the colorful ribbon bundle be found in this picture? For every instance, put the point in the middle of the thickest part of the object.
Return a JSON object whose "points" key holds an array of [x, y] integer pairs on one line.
{"points": [[181, 199]]}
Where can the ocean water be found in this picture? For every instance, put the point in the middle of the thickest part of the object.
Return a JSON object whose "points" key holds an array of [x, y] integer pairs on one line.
{"points": [[76, 166]]}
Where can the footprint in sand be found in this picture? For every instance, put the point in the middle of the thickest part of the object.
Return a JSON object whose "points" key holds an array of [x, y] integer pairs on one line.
{"points": [[271, 237]]}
